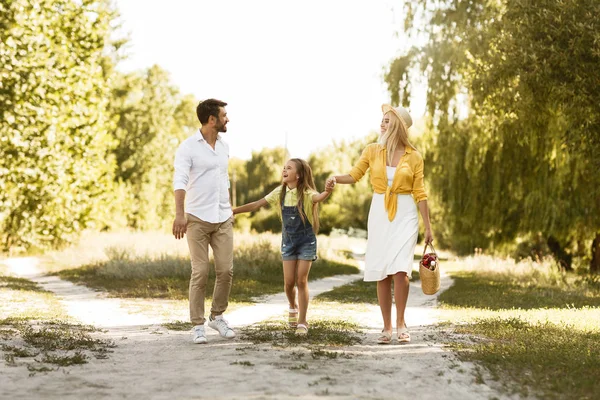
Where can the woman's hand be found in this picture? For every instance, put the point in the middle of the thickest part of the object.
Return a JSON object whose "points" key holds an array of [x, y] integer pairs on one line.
{"points": [[428, 236], [329, 184], [343, 179]]}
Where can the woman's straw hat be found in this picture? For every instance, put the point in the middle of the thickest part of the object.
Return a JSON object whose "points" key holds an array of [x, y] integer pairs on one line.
{"points": [[400, 112]]}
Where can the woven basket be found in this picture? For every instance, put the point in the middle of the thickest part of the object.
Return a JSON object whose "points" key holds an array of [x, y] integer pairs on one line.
{"points": [[430, 280]]}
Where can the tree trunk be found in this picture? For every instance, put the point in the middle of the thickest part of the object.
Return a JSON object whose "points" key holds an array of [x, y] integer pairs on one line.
{"points": [[563, 258], [595, 263]]}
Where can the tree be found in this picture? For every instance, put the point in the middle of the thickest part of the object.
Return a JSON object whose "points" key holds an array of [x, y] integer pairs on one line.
{"points": [[239, 182], [55, 145], [348, 205], [522, 162], [151, 119], [264, 171]]}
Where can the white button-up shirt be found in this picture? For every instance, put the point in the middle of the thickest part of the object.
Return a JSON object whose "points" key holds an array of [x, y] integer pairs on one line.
{"points": [[202, 172]]}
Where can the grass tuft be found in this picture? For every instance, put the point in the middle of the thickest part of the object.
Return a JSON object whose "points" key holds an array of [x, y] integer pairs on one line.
{"points": [[319, 353], [65, 361], [33, 369], [178, 325], [12, 283], [298, 367], [60, 343], [321, 333], [6, 334], [243, 363], [19, 351], [62, 336]]}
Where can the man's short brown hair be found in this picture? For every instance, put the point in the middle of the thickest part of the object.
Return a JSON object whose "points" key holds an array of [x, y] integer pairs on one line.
{"points": [[209, 107]]}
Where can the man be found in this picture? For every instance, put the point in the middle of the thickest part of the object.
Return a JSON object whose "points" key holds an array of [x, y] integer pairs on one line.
{"points": [[201, 174]]}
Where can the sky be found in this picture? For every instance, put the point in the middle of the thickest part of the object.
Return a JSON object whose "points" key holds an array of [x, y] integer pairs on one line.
{"points": [[299, 74]]}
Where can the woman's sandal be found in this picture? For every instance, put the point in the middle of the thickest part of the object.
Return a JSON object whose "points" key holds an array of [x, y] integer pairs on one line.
{"points": [[292, 317], [385, 338], [301, 330], [403, 335]]}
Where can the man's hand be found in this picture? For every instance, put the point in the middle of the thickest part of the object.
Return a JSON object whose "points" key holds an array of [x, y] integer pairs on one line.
{"points": [[179, 227]]}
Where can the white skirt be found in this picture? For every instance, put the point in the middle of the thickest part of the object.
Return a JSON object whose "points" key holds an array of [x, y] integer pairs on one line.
{"points": [[391, 245]]}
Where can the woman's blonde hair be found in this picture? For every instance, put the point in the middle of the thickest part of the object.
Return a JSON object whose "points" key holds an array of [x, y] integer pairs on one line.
{"points": [[305, 182], [396, 134]]}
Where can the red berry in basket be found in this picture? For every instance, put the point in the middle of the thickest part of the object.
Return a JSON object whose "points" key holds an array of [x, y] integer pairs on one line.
{"points": [[429, 261]]}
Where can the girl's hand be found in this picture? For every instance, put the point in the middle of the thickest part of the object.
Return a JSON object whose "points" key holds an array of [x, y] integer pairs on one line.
{"points": [[428, 236], [330, 184]]}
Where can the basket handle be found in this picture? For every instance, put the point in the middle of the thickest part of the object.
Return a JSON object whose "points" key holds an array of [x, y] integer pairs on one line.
{"points": [[432, 248]]}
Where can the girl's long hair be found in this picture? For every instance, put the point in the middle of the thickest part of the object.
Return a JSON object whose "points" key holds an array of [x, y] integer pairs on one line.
{"points": [[305, 182], [396, 134]]}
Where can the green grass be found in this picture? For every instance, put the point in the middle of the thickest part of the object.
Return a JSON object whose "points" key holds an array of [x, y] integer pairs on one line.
{"points": [[534, 328], [56, 342], [559, 361], [321, 333], [257, 272], [65, 361], [19, 351], [56, 335], [496, 291], [243, 363], [358, 291], [178, 326], [22, 299], [37, 333], [12, 283]]}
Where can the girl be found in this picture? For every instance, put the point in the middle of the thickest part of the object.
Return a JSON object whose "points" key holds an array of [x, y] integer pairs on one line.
{"points": [[393, 224], [296, 201]]}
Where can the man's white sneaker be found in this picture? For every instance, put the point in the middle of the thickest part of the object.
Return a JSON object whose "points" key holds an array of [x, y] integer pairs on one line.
{"points": [[199, 334], [220, 324]]}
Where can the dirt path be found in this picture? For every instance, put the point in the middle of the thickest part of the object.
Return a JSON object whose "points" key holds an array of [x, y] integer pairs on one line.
{"points": [[152, 362]]}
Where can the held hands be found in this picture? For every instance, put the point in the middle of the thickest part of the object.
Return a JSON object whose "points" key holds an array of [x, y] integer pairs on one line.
{"points": [[330, 184]]}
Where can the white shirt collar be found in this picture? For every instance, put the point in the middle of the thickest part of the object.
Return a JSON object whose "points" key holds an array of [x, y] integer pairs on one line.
{"points": [[200, 138]]}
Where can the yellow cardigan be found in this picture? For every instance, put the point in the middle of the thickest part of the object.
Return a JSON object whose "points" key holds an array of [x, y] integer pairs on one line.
{"points": [[407, 179]]}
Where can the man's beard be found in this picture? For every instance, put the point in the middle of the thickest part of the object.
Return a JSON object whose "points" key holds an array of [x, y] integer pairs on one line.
{"points": [[221, 127]]}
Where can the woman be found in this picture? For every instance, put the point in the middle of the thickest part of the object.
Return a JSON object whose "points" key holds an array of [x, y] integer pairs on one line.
{"points": [[397, 180]]}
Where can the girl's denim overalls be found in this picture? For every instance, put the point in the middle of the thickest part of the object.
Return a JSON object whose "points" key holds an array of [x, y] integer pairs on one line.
{"points": [[298, 241]]}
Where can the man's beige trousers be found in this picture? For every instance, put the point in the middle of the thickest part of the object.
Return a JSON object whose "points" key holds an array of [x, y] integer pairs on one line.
{"points": [[219, 236]]}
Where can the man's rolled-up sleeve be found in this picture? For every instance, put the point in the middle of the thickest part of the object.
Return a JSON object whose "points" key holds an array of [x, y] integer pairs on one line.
{"points": [[183, 164]]}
